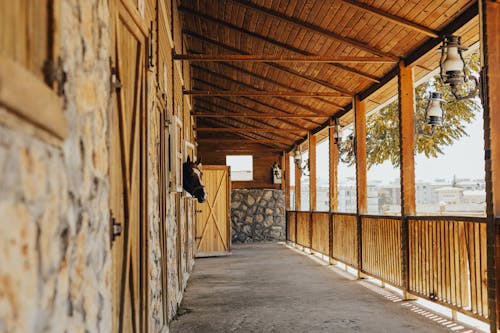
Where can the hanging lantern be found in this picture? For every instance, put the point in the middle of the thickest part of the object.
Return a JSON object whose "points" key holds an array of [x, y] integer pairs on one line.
{"points": [[453, 69], [434, 113], [336, 134]]}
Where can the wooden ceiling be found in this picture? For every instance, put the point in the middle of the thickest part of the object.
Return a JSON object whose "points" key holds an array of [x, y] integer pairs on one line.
{"points": [[264, 72]]}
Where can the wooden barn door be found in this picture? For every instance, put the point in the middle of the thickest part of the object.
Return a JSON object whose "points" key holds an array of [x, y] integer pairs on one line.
{"points": [[126, 168], [213, 228]]}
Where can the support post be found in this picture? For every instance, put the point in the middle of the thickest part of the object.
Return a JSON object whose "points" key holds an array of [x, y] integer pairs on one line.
{"points": [[407, 167], [298, 173], [312, 172], [333, 166], [361, 197], [490, 25], [333, 191]]}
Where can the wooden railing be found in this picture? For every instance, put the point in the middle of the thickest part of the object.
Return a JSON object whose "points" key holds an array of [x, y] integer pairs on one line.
{"points": [[439, 258]]}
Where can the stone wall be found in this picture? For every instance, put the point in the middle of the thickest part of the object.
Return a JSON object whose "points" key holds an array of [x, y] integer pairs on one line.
{"points": [[54, 239], [257, 215]]}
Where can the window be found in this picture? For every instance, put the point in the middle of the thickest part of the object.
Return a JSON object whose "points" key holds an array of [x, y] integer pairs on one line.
{"points": [[241, 167]]}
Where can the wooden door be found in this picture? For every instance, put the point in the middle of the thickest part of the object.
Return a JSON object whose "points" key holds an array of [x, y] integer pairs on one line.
{"points": [[126, 168], [213, 227]]}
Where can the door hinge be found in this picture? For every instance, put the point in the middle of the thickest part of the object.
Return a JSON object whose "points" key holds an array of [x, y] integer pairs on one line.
{"points": [[115, 81], [115, 228], [54, 74], [150, 47]]}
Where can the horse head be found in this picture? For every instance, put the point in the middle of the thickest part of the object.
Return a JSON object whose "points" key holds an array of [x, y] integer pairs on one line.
{"points": [[191, 180]]}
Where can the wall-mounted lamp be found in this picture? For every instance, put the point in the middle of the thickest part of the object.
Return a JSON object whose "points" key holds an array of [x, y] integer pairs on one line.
{"points": [[453, 69], [297, 158]]}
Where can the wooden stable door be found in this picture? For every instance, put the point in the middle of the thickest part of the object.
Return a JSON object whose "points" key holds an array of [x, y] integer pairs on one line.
{"points": [[213, 226], [126, 170]]}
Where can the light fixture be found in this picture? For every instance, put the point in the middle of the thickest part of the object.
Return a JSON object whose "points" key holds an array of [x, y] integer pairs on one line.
{"points": [[434, 113], [453, 69], [297, 158]]}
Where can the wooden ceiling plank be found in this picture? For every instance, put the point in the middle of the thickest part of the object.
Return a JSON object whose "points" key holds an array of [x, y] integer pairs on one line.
{"points": [[261, 93], [314, 29], [295, 125], [305, 107], [279, 58], [290, 123], [248, 136], [268, 40], [278, 83], [284, 68], [251, 110]]}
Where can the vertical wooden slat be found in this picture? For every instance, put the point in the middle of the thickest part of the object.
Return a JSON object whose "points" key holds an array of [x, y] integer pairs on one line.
{"points": [[490, 25], [333, 166]]}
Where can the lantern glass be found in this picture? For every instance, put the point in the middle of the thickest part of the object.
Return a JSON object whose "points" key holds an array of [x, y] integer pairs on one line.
{"points": [[434, 111], [453, 61]]}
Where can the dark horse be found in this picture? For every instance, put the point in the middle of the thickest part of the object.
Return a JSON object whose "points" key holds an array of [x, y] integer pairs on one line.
{"points": [[191, 180]]}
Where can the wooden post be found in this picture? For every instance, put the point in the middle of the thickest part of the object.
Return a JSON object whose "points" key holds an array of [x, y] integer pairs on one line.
{"points": [[490, 25], [287, 173], [312, 172], [407, 168], [333, 167], [361, 197], [298, 173], [334, 161]]}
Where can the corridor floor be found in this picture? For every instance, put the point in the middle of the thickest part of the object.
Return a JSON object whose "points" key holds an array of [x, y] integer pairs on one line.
{"points": [[271, 288]]}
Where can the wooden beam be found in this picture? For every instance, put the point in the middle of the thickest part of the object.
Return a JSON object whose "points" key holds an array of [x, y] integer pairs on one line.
{"points": [[298, 173], [287, 47], [280, 84], [280, 58], [245, 130], [407, 139], [314, 29], [223, 141], [392, 18], [209, 104], [333, 166], [360, 129], [289, 101], [407, 168], [490, 26], [251, 115], [264, 123], [258, 93], [312, 172]]}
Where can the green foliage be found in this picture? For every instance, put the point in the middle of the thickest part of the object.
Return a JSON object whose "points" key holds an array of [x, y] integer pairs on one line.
{"points": [[382, 128]]}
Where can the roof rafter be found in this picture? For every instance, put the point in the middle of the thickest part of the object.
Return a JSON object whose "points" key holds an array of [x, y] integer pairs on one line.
{"points": [[242, 121], [269, 40], [247, 129], [276, 66], [279, 58], [262, 93], [207, 107], [393, 18], [266, 79], [212, 114], [314, 28], [305, 107]]}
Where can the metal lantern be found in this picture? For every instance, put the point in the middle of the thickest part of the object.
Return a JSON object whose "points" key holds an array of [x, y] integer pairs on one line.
{"points": [[434, 112], [297, 158], [453, 68], [336, 134]]}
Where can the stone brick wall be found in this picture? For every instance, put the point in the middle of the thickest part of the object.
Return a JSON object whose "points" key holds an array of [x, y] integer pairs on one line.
{"points": [[257, 215], [54, 239]]}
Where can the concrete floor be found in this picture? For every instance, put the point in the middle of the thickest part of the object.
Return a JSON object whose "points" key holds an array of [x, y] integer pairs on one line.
{"points": [[271, 288]]}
